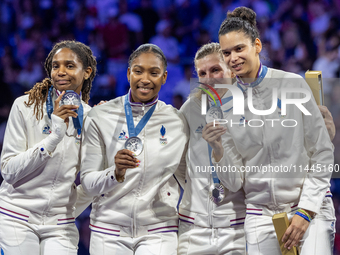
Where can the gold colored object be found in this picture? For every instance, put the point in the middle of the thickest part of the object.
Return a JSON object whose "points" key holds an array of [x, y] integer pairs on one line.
{"points": [[314, 80], [281, 223]]}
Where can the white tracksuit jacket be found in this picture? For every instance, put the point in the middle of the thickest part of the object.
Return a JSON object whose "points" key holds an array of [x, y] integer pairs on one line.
{"points": [[307, 144], [146, 201], [196, 206], [37, 184]]}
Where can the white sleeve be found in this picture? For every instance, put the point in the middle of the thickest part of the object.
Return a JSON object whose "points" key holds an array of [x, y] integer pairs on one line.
{"points": [[180, 173], [94, 177], [229, 167], [320, 150], [17, 160], [83, 200]]}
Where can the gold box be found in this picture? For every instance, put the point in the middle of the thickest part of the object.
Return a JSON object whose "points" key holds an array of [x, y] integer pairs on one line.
{"points": [[281, 223], [314, 80]]}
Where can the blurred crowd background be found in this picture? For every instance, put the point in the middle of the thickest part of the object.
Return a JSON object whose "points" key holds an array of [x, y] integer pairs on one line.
{"points": [[297, 35]]}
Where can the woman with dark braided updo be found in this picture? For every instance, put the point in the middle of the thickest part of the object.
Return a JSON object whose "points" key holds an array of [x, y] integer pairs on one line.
{"points": [[265, 155], [40, 157]]}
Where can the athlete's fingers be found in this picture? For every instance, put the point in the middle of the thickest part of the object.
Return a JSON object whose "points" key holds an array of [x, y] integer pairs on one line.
{"points": [[57, 101]]}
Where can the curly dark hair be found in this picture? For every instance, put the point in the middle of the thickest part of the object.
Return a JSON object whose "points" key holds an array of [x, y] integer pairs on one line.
{"points": [[38, 94]]}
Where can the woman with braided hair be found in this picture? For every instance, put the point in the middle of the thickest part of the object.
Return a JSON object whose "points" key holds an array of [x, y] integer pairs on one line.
{"points": [[40, 157]]}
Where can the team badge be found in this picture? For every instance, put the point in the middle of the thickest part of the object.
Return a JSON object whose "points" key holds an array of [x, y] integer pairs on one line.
{"points": [[199, 129], [279, 106], [46, 130], [123, 136], [243, 121], [163, 141]]}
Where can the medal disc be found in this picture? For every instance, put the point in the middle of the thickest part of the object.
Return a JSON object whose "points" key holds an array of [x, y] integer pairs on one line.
{"points": [[217, 193], [70, 98], [213, 113], [134, 144]]}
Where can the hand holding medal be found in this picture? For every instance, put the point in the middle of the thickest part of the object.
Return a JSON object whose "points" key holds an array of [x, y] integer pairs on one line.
{"points": [[214, 112], [124, 159], [213, 136], [70, 98], [64, 111], [134, 144]]}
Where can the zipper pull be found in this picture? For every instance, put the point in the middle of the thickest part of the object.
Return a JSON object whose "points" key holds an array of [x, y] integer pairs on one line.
{"points": [[143, 109]]}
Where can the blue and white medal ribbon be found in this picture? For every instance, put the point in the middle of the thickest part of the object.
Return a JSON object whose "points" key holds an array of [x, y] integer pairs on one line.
{"points": [[134, 143], [260, 76], [77, 122], [216, 191]]}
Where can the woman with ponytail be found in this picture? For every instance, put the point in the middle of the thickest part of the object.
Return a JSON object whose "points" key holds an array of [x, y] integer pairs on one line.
{"points": [[256, 149], [132, 147], [40, 157]]}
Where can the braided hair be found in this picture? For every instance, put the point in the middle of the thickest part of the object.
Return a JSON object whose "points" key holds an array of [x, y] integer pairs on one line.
{"points": [[38, 94]]}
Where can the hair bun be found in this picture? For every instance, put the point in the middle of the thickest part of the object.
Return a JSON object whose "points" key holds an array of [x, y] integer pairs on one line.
{"points": [[243, 13]]}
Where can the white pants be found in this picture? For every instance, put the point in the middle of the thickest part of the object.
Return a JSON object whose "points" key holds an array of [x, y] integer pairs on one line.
{"points": [[153, 244], [318, 239], [18, 237], [199, 240]]}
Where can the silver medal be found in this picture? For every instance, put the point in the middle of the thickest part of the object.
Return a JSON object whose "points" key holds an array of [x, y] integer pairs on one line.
{"points": [[70, 98], [134, 144], [213, 113], [217, 193]]}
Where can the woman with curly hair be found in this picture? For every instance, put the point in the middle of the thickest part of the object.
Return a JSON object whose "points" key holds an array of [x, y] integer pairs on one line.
{"points": [[40, 157]]}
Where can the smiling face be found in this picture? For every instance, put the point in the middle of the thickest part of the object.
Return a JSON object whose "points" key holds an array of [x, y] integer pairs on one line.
{"points": [[146, 77], [240, 55], [211, 69], [67, 71]]}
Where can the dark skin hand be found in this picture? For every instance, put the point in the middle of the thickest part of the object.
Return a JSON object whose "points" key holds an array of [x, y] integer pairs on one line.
{"points": [[64, 111], [124, 159]]}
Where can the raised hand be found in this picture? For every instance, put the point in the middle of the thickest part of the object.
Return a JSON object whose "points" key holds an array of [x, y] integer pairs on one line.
{"points": [[64, 111], [124, 159], [213, 136]]}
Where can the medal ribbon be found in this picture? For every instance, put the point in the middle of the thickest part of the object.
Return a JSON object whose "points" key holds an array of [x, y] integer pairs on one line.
{"points": [[213, 173], [49, 103], [77, 122], [260, 76], [224, 101], [129, 118]]}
